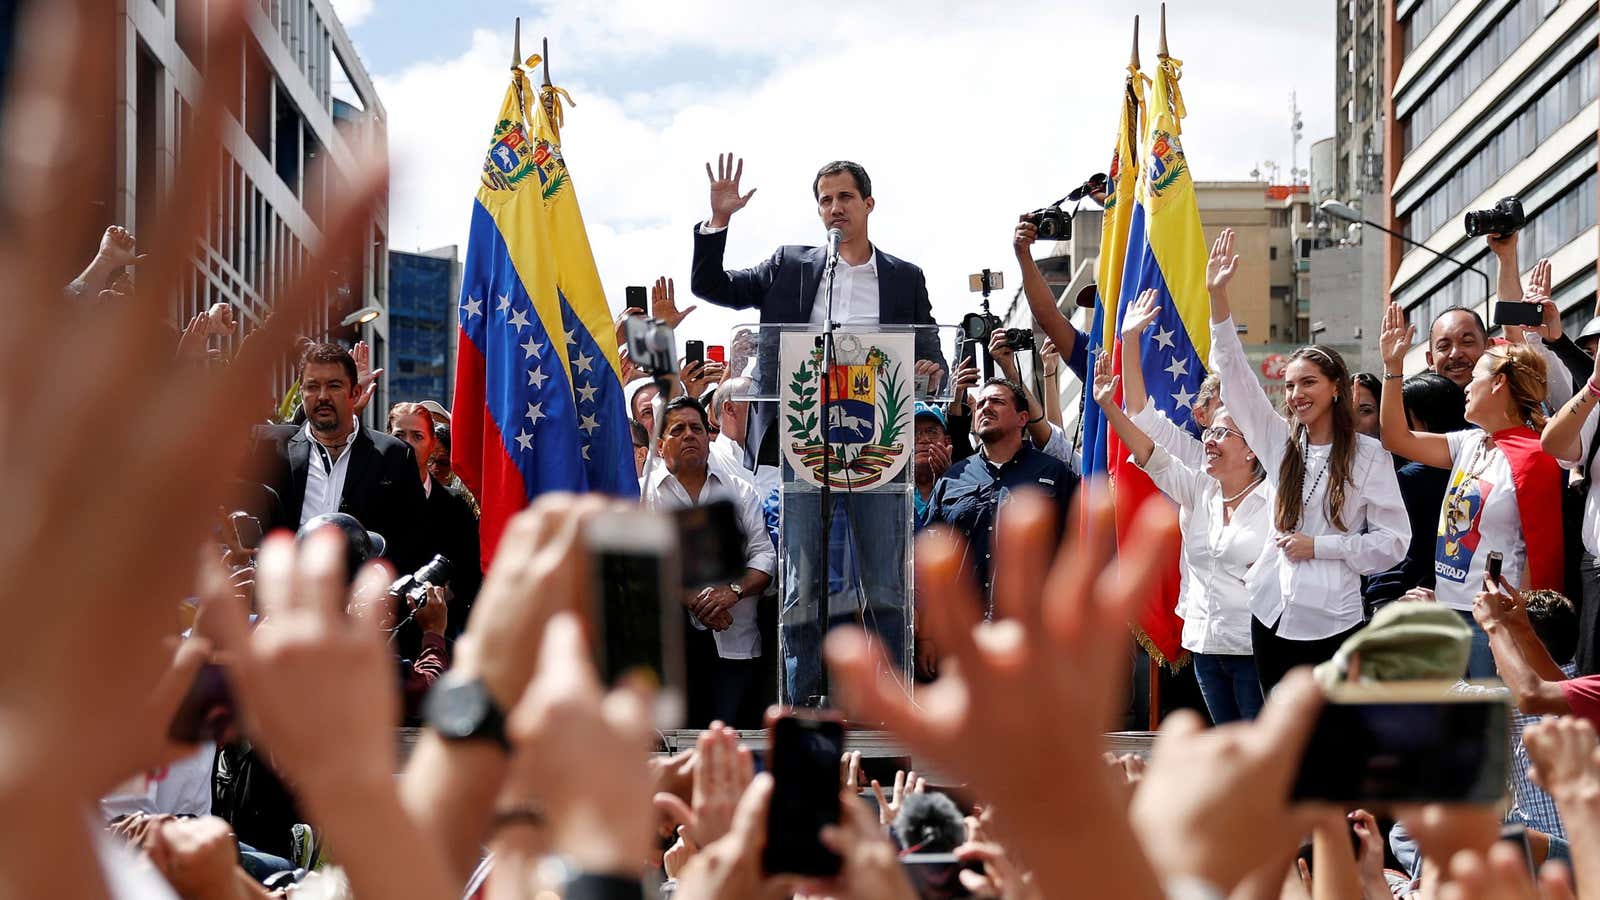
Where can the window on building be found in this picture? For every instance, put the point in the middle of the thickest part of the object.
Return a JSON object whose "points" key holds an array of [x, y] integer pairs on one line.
{"points": [[1272, 252]]}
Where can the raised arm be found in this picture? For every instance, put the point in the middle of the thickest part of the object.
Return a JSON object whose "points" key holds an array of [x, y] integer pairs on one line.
{"points": [[1041, 300], [1564, 434], [708, 280], [1134, 322], [1264, 430], [1524, 665], [1105, 395], [1005, 356], [1421, 446]]}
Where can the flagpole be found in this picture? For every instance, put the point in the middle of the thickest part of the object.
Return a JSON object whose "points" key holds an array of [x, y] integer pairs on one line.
{"points": [[1153, 687], [1135, 60]]}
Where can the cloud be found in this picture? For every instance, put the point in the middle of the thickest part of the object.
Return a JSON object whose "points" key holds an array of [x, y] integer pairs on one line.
{"points": [[963, 117], [352, 12]]}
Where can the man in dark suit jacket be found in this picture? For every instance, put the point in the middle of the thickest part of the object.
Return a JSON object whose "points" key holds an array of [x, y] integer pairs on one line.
{"points": [[333, 464], [865, 561], [870, 286]]}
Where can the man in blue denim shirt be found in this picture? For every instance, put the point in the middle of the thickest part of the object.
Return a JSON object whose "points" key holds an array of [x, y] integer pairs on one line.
{"points": [[969, 496]]}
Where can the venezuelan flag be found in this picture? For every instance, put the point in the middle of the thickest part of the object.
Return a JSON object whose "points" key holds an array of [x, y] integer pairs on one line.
{"points": [[1119, 206], [1165, 252], [538, 395]]}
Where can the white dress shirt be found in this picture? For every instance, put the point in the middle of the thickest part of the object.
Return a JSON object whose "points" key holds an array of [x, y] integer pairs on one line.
{"points": [[1216, 555], [1320, 597], [855, 290], [325, 476], [1591, 501], [742, 639], [730, 453]]}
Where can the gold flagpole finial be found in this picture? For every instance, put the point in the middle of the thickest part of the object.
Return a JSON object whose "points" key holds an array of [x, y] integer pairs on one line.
{"points": [[1164, 54], [516, 45], [546, 46], [1135, 61]]}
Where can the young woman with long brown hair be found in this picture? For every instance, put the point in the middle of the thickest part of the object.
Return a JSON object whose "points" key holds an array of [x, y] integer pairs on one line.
{"points": [[1337, 512]]}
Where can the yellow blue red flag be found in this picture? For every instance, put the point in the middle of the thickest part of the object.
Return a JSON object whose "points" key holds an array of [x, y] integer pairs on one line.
{"points": [[538, 396], [1119, 206], [1166, 252]]}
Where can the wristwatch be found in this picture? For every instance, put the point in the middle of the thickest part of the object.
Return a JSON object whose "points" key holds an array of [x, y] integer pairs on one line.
{"points": [[737, 590], [460, 708]]}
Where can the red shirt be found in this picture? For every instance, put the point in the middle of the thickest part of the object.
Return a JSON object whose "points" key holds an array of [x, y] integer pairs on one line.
{"points": [[1583, 695]]}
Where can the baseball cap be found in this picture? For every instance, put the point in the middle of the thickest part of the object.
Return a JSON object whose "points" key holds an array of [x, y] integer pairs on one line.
{"points": [[437, 410], [925, 408]]}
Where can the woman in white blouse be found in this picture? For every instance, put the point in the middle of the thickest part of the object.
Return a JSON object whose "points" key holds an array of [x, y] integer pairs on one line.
{"points": [[1337, 512], [1225, 515]]}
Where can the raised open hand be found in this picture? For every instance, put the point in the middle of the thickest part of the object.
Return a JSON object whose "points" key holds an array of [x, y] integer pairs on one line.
{"points": [[1396, 337], [1222, 264], [1538, 291], [1105, 383], [725, 197], [1059, 646], [75, 689], [664, 303], [905, 784], [1139, 316], [723, 770], [366, 376]]}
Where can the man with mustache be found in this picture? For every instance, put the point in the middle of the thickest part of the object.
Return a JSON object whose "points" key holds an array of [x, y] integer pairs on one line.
{"points": [[333, 464]]}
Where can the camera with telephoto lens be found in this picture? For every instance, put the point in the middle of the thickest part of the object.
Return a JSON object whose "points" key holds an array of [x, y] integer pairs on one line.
{"points": [[978, 327], [1501, 219], [1051, 223], [414, 587], [1019, 338], [650, 345]]}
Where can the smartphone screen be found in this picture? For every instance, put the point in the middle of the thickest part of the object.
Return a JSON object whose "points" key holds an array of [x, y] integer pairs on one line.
{"points": [[804, 761], [712, 544], [636, 624], [206, 710], [693, 352], [935, 876], [636, 298], [717, 353], [1414, 752]]}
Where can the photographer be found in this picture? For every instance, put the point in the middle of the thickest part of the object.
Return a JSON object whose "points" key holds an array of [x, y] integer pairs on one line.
{"points": [[1045, 435], [448, 528]]}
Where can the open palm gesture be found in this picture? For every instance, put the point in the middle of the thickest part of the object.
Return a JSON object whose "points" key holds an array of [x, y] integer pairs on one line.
{"points": [[1105, 383], [1222, 264], [1139, 316], [664, 303], [1396, 337], [725, 197]]}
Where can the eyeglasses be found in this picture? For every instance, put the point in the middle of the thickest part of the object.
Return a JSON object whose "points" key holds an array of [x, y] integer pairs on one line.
{"points": [[1219, 433]]}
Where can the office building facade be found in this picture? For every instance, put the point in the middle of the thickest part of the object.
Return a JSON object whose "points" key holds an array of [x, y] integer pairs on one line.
{"points": [[302, 107], [423, 292], [1491, 99]]}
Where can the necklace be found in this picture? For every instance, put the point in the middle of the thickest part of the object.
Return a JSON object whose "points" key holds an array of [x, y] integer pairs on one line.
{"points": [[1247, 489], [1481, 457], [1311, 490]]}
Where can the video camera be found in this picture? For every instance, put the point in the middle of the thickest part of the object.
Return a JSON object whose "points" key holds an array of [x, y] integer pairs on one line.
{"points": [[1501, 219]]}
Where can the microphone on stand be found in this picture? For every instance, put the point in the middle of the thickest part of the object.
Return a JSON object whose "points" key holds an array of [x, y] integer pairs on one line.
{"points": [[834, 237]]}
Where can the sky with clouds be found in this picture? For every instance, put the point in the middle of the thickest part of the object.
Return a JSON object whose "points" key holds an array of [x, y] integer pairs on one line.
{"points": [[965, 114]]}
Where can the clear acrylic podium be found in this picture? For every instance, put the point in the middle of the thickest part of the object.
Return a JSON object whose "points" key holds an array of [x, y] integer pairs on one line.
{"points": [[864, 578]]}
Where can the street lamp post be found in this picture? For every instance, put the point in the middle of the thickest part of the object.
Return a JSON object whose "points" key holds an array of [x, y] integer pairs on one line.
{"points": [[1348, 213]]}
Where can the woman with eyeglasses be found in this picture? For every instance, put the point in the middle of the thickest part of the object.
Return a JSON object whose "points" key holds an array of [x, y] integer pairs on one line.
{"points": [[1337, 511], [1505, 492], [1223, 512]]}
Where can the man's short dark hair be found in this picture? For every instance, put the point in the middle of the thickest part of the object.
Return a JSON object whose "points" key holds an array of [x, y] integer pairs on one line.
{"points": [[329, 353], [1434, 403], [1555, 621], [863, 183], [441, 436], [1018, 395], [1476, 319], [677, 403]]}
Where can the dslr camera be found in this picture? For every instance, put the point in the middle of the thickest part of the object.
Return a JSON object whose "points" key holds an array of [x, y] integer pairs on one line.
{"points": [[414, 587], [1052, 223], [1019, 339], [978, 327], [650, 343], [1501, 219]]}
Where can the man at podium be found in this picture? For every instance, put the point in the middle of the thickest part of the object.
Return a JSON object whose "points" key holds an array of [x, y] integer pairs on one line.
{"points": [[867, 582]]}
